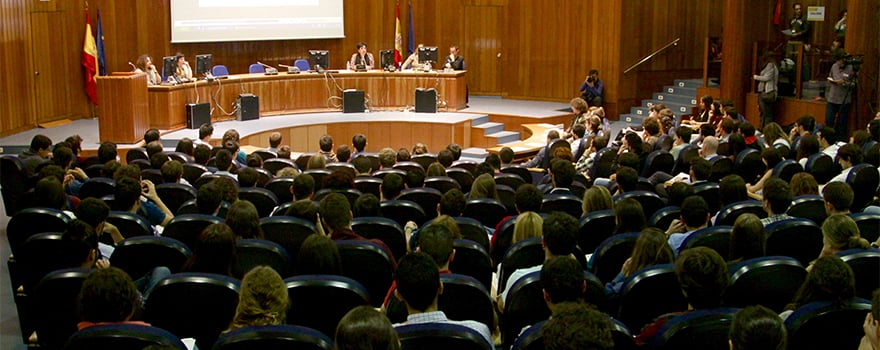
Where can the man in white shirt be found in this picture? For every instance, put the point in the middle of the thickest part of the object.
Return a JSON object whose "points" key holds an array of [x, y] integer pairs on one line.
{"points": [[827, 144], [848, 156], [205, 132], [418, 285]]}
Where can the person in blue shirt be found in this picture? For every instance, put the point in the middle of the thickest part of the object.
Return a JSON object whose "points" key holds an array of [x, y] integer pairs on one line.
{"points": [[592, 88]]}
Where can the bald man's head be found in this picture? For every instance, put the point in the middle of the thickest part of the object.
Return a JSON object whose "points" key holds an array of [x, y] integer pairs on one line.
{"points": [[710, 146]]}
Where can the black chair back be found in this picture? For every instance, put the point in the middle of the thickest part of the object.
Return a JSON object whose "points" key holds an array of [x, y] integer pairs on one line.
{"points": [[55, 306], [486, 210], [187, 228], [512, 180], [175, 194], [683, 162], [503, 239], [699, 329], [864, 180], [523, 254], [594, 228], [250, 253], [14, 182], [192, 172], [139, 255], [98, 187], [369, 264], [369, 185], [749, 165], [664, 217], [824, 325], [426, 198], [320, 301], [786, 169], [869, 225], [386, 230], [263, 199], [407, 166], [567, 203], [520, 171], [274, 165], [31, 221], [471, 259], [136, 153], [811, 207], [39, 255], [463, 176], [609, 257], [123, 336], [531, 339], [302, 162], [721, 167], [715, 237], [798, 238], [821, 166], [473, 230], [440, 336], [193, 305], [711, 193], [658, 161], [603, 165], [425, 160], [642, 290], [276, 337], [468, 165], [770, 281], [727, 216], [289, 232], [650, 201], [441, 183], [402, 211], [865, 264]]}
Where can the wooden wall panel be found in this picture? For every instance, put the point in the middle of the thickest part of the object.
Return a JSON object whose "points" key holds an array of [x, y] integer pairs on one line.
{"points": [[16, 84], [863, 29]]}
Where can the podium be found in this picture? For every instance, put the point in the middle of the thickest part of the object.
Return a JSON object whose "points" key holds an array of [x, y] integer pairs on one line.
{"points": [[123, 107]]}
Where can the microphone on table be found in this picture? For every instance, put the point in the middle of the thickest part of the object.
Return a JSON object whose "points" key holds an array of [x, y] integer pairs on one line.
{"points": [[269, 69], [290, 69]]}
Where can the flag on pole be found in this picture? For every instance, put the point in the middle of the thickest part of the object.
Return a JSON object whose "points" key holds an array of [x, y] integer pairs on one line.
{"points": [[411, 36], [398, 38], [90, 61], [777, 13], [102, 60]]}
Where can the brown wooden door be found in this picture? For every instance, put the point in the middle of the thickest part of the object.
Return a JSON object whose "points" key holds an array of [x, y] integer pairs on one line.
{"points": [[482, 48], [48, 51]]}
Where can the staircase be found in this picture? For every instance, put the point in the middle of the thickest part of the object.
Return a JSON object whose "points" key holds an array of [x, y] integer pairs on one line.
{"points": [[680, 97], [486, 134]]}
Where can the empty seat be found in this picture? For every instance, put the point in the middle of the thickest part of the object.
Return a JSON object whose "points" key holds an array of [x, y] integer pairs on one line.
{"points": [[786, 169], [426, 198], [14, 182], [715, 237], [129, 224], [658, 161], [175, 194], [810, 207], [441, 336], [192, 172], [55, 306], [821, 166], [386, 230], [369, 185], [507, 196], [664, 217], [464, 178], [123, 336], [642, 290], [594, 228], [30, 221], [263, 199], [320, 301], [97, 187], [274, 337], [473, 260], [402, 211], [650, 201], [771, 281], [566, 203], [523, 254], [609, 257], [139, 255], [369, 264], [727, 216], [825, 325], [473, 230], [749, 165], [798, 238], [520, 171], [281, 187], [441, 183], [468, 165], [698, 329], [39, 255], [512, 180], [869, 225], [865, 264], [136, 153], [187, 227], [250, 253], [487, 210], [219, 70], [287, 231], [273, 165], [193, 305]]}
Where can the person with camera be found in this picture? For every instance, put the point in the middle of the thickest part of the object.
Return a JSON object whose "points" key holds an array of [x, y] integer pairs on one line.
{"points": [[592, 88], [839, 95]]}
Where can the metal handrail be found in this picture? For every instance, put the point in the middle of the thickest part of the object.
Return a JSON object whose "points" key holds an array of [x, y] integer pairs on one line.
{"points": [[655, 53]]}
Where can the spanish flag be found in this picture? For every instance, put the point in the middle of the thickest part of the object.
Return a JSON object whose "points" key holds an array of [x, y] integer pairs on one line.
{"points": [[90, 62], [398, 38]]}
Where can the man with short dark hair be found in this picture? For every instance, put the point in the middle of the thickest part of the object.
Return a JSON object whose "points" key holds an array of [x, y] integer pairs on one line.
{"points": [[326, 146], [415, 178], [777, 199], [153, 148], [172, 173], [559, 239], [452, 203], [579, 144], [506, 155], [562, 280], [578, 327], [495, 161], [456, 151], [391, 186], [363, 165], [205, 132], [248, 177], [682, 139], [157, 160], [725, 128], [94, 212], [418, 285], [303, 187], [128, 198], [106, 152], [445, 158], [151, 135], [209, 199], [336, 218], [343, 153], [223, 161], [359, 142], [38, 153], [802, 127], [562, 176], [828, 142], [694, 216], [627, 179], [703, 277], [201, 154], [838, 198], [274, 141], [848, 156], [284, 152], [436, 241]]}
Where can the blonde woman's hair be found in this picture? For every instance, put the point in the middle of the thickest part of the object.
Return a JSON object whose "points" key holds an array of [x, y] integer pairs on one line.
{"points": [[843, 233], [528, 225], [597, 198], [262, 301]]}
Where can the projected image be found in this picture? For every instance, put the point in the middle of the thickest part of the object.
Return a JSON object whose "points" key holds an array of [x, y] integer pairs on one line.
{"points": [[236, 20]]}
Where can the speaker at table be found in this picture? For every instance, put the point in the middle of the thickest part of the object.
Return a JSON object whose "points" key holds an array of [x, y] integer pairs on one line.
{"points": [[426, 100], [353, 101]]}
